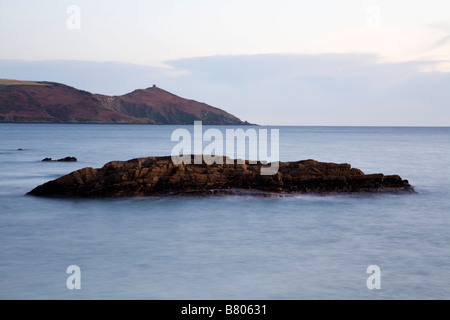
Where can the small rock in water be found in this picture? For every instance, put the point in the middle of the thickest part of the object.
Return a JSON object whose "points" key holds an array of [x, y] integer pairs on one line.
{"points": [[67, 159]]}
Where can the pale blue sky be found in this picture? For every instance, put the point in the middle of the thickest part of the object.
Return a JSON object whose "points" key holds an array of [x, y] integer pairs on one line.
{"points": [[354, 62]]}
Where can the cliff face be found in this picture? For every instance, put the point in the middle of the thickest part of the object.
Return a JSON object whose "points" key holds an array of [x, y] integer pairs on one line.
{"points": [[49, 102], [160, 176]]}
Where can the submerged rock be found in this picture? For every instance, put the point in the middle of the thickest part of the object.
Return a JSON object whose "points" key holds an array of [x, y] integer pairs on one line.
{"points": [[160, 176], [66, 159]]}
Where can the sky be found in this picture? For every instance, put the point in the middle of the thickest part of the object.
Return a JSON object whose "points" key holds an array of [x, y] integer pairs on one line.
{"points": [[284, 62]]}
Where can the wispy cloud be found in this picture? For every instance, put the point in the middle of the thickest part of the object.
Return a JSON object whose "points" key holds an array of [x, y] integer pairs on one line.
{"points": [[443, 41]]}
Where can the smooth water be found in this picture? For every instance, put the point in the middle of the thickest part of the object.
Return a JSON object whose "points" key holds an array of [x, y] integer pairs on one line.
{"points": [[231, 247]]}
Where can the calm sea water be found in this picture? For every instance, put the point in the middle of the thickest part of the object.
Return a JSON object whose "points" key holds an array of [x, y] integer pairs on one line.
{"points": [[232, 247]]}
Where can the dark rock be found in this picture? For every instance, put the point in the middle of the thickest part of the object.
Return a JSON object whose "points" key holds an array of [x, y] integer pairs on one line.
{"points": [[68, 159], [160, 176]]}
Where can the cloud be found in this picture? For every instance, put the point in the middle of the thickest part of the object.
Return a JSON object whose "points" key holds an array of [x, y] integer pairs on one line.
{"points": [[320, 89], [443, 41]]}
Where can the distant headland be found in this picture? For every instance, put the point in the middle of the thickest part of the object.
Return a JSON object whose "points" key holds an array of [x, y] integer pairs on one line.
{"points": [[51, 102]]}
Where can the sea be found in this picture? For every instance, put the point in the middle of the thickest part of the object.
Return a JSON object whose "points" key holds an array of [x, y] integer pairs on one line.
{"points": [[333, 247]]}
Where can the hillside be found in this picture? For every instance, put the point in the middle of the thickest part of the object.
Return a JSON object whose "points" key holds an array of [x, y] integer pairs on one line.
{"points": [[50, 102]]}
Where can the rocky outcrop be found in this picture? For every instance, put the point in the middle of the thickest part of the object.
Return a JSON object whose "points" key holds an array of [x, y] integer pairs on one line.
{"points": [[50, 102], [66, 159], [160, 176]]}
